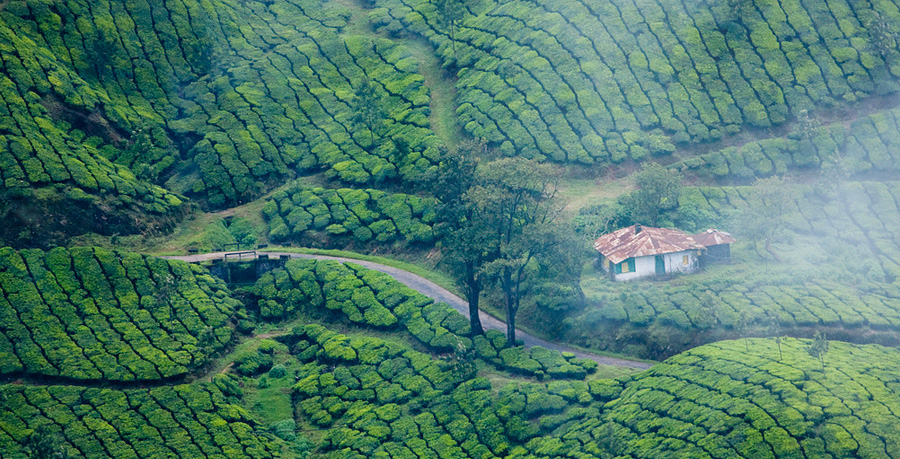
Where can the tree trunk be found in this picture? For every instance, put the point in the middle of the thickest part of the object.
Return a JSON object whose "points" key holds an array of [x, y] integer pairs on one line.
{"points": [[475, 315], [511, 328], [473, 294], [771, 251], [510, 318]]}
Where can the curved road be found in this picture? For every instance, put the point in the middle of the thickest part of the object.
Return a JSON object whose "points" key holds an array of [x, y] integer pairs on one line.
{"points": [[441, 295]]}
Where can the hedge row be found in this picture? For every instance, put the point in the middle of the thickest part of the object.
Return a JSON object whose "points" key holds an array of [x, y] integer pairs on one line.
{"points": [[232, 95], [722, 401], [93, 314], [713, 301], [170, 421], [364, 215], [868, 144], [583, 81], [40, 151], [375, 299], [378, 399]]}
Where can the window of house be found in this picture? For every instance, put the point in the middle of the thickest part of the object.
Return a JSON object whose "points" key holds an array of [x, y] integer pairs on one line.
{"points": [[685, 260]]}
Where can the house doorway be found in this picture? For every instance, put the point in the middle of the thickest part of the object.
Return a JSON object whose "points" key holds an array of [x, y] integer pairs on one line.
{"points": [[660, 265]]}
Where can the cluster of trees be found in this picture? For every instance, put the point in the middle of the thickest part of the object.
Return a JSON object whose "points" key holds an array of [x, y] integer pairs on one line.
{"points": [[584, 92], [93, 314], [363, 215], [501, 218], [867, 144], [170, 421]]}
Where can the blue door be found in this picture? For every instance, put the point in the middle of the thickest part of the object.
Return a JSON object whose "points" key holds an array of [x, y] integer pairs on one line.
{"points": [[660, 265]]}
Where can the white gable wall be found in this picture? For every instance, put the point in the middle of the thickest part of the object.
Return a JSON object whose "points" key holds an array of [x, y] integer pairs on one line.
{"points": [[675, 262], [646, 266]]}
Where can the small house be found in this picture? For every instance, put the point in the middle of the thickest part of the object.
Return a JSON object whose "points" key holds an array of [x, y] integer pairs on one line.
{"points": [[717, 244], [641, 251]]}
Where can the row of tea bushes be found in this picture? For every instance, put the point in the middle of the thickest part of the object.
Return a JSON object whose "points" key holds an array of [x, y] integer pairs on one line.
{"points": [[579, 81], [94, 314], [363, 215], [170, 421], [867, 145], [379, 399], [374, 299]]}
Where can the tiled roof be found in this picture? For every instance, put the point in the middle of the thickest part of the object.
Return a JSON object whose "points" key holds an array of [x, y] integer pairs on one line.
{"points": [[627, 243], [713, 237]]}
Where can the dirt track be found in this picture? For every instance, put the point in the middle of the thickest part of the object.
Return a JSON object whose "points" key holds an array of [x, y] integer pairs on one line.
{"points": [[439, 294]]}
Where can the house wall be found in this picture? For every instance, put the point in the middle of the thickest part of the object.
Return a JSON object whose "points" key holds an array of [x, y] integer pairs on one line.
{"points": [[675, 262], [646, 266], [643, 267]]}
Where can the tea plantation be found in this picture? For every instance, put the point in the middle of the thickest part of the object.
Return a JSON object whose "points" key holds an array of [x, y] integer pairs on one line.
{"points": [[138, 127], [373, 299], [93, 314], [752, 400], [171, 421], [601, 81], [359, 396], [360, 215], [217, 100]]}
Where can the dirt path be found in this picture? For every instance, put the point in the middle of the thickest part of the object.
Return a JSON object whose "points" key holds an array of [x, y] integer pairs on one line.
{"points": [[441, 295]]}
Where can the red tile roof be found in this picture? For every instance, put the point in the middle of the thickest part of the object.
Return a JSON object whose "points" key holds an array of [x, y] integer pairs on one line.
{"points": [[623, 244], [713, 237]]}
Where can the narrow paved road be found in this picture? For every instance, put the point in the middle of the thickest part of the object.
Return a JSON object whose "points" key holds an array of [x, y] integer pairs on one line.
{"points": [[441, 295]]}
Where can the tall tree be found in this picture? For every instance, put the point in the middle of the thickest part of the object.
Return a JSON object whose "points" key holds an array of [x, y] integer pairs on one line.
{"points": [[450, 13], [818, 348], [514, 200], [656, 190], [764, 218], [368, 109], [465, 242]]}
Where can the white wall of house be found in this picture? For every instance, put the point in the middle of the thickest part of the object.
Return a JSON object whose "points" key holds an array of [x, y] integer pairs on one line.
{"points": [[643, 266], [675, 263]]}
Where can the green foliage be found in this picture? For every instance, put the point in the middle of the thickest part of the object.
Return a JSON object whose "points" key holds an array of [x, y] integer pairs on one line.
{"points": [[220, 99], [838, 150], [377, 300], [601, 83], [392, 400], [361, 215], [657, 191], [169, 421], [93, 314], [253, 363]]}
